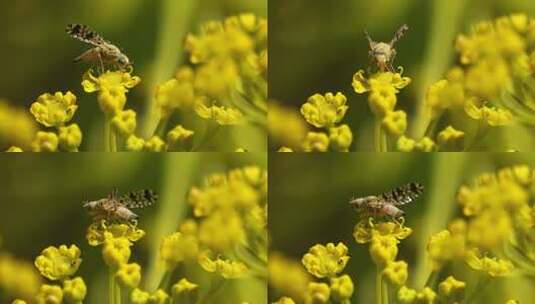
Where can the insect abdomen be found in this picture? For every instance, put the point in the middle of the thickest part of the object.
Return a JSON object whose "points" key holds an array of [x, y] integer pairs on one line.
{"points": [[125, 213]]}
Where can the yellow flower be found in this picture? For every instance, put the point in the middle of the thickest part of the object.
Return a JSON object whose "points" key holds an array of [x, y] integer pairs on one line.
{"points": [[74, 290], [174, 94], [442, 95], [138, 296], [363, 85], [341, 288], [426, 296], [134, 143], [220, 114], [324, 110], [222, 230], [445, 246], [14, 149], [116, 251], [395, 122], [382, 100], [129, 275], [317, 293], [364, 230], [285, 126], [58, 263], [124, 122], [226, 268], [70, 137], [493, 267], [178, 247], [98, 232], [179, 137], [217, 78], [383, 249], [426, 144], [159, 297], [451, 290], [45, 142], [185, 292], [326, 261], [285, 300], [287, 276], [49, 294], [405, 144], [493, 117], [18, 301], [488, 78], [112, 87], [155, 144], [478, 228], [340, 138], [512, 302], [406, 295], [18, 278], [316, 142], [54, 110], [396, 272], [450, 139]]}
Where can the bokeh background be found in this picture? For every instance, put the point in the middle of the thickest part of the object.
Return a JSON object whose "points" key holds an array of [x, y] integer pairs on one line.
{"points": [[317, 46], [309, 197], [36, 55], [41, 205]]}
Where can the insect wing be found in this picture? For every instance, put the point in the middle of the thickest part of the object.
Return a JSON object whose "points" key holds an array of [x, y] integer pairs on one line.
{"points": [[85, 34], [404, 194], [139, 199]]}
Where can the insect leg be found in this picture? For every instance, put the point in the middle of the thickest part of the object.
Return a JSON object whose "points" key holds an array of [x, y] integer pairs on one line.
{"points": [[101, 62], [370, 40]]}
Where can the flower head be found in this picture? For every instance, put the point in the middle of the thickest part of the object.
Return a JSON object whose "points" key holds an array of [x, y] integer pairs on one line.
{"points": [[18, 278], [326, 261], [185, 292], [316, 142], [226, 268], [396, 272], [129, 275], [112, 87], [324, 110], [138, 296], [450, 139], [98, 232], [45, 142], [220, 114], [58, 263], [179, 136], [340, 138], [395, 122], [75, 290], [116, 251], [341, 288], [493, 267], [54, 110], [287, 275], [364, 230], [383, 249], [50, 294], [70, 137], [178, 247], [317, 293], [174, 94], [124, 122], [452, 290], [159, 297]]}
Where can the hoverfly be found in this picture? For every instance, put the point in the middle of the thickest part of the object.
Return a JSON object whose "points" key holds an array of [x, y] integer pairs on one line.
{"points": [[386, 204], [383, 53], [103, 50], [117, 208]]}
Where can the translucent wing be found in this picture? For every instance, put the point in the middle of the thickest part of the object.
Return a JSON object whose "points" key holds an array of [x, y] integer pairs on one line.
{"points": [[404, 194], [139, 198], [85, 34]]}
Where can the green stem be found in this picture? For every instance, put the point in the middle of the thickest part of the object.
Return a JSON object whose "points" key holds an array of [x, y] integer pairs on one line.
{"points": [[431, 127], [431, 279], [385, 292], [378, 286], [160, 129], [166, 279], [478, 289], [113, 141], [377, 135], [117, 292], [107, 135], [111, 286]]}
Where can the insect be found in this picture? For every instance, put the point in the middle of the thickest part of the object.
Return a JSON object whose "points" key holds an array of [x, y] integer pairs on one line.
{"points": [[102, 50], [117, 208], [386, 204], [383, 53]]}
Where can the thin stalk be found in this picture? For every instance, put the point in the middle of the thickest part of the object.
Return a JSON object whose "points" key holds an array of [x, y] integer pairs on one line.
{"points": [[107, 135], [377, 135], [378, 286], [111, 286], [113, 141], [166, 280], [431, 279], [385, 292], [160, 129], [117, 292], [480, 286]]}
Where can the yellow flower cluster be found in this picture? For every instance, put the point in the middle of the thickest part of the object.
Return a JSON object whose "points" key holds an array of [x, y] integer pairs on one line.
{"points": [[16, 127], [55, 111], [288, 277], [285, 126], [326, 111], [60, 263], [326, 261], [18, 278]]}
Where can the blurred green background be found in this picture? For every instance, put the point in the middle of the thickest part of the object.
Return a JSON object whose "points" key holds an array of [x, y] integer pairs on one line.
{"points": [[309, 197], [36, 55], [42, 195], [317, 46]]}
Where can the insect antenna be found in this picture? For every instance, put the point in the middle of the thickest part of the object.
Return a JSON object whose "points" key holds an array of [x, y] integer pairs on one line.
{"points": [[399, 33], [370, 40]]}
